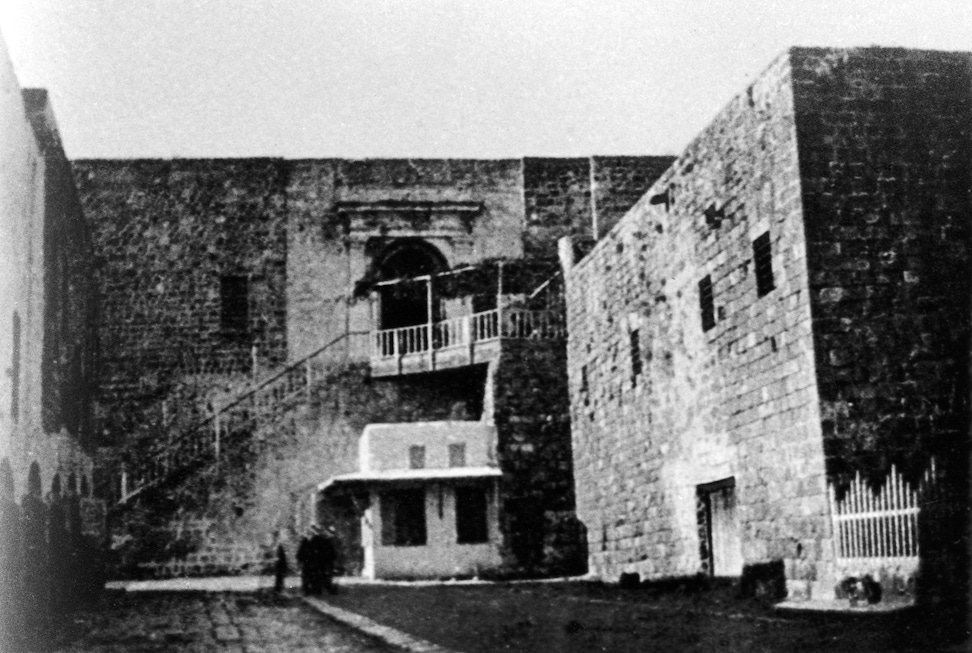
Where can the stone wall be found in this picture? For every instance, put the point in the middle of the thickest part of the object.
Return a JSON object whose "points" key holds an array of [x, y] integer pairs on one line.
{"points": [[557, 197], [619, 182], [660, 405], [343, 214], [529, 405], [50, 531], [886, 158], [225, 521], [165, 233], [307, 234], [70, 309], [885, 139]]}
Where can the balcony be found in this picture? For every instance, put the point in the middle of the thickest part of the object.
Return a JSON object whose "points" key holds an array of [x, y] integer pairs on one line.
{"points": [[459, 341]]}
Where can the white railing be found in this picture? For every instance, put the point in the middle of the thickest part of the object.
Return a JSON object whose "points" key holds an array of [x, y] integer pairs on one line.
{"points": [[401, 341], [879, 526], [450, 333], [485, 325], [467, 329], [543, 325]]}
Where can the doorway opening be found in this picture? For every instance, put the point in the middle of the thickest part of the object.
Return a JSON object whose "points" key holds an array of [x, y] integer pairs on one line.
{"points": [[720, 537]]}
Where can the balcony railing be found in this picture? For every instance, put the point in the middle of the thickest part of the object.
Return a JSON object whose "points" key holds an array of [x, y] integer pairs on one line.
{"points": [[468, 329]]}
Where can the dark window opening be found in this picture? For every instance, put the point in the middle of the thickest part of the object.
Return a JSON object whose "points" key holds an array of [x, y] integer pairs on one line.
{"points": [[763, 259], [635, 355], [457, 455], [15, 369], [416, 457], [714, 216], [403, 517], [234, 296], [407, 304], [472, 526], [706, 303], [584, 386]]}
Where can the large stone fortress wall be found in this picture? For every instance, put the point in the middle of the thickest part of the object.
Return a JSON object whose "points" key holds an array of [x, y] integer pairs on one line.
{"points": [[788, 305], [885, 138], [660, 405], [307, 236], [165, 232], [303, 233]]}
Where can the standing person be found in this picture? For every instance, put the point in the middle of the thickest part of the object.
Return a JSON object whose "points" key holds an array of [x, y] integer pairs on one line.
{"points": [[307, 562], [327, 550], [317, 548], [280, 568]]}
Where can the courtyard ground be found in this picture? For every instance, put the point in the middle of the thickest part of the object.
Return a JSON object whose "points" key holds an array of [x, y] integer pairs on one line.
{"points": [[241, 614], [581, 617], [218, 622]]}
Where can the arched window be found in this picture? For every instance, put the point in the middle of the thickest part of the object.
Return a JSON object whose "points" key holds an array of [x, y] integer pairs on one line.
{"points": [[406, 304], [85, 489], [34, 486], [56, 486]]}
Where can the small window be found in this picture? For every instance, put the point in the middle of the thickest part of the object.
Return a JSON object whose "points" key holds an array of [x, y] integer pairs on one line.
{"points": [[763, 258], [706, 303], [234, 297], [403, 517], [416, 457], [15, 369], [471, 523], [457, 455], [584, 387], [635, 342]]}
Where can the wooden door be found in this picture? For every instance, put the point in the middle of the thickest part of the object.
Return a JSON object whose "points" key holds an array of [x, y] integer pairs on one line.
{"points": [[725, 533]]}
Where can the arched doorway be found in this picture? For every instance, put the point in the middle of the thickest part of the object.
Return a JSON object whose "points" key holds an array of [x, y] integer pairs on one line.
{"points": [[407, 304]]}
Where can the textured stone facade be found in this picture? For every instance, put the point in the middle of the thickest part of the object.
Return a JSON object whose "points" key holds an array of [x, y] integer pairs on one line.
{"points": [[886, 165], [766, 317], [736, 401], [165, 234], [310, 238]]}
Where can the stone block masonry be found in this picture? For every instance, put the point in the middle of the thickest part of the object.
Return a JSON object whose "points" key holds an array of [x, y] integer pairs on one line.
{"points": [[167, 236], [788, 305], [886, 160], [663, 404], [217, 272], [581, 197]]}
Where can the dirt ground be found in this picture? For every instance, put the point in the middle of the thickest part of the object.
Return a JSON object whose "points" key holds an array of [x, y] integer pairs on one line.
{"points": [[581, 617]]}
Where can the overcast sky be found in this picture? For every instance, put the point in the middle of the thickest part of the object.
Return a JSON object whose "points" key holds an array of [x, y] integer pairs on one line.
{"points": [[423, 78]]}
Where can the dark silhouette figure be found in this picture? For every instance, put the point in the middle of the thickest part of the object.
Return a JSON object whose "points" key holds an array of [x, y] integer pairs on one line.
{"points": [[280, 569], [327, 554], [310, 570]]}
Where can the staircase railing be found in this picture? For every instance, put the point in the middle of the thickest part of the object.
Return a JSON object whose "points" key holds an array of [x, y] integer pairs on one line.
{"points": [[206, 441]]}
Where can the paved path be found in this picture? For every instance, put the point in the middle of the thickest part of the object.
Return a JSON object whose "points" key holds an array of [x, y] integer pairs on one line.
{"points": [[145, 622]]}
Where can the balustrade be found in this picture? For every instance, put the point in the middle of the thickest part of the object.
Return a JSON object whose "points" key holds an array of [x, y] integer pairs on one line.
{"points": [[478, 327]]}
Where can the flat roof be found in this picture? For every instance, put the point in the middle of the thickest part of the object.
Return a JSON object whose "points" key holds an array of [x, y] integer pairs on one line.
{"points": [[393, 475]]}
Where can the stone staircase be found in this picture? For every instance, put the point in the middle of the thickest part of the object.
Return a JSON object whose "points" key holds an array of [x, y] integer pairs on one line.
{"points": [[235, 421]]}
